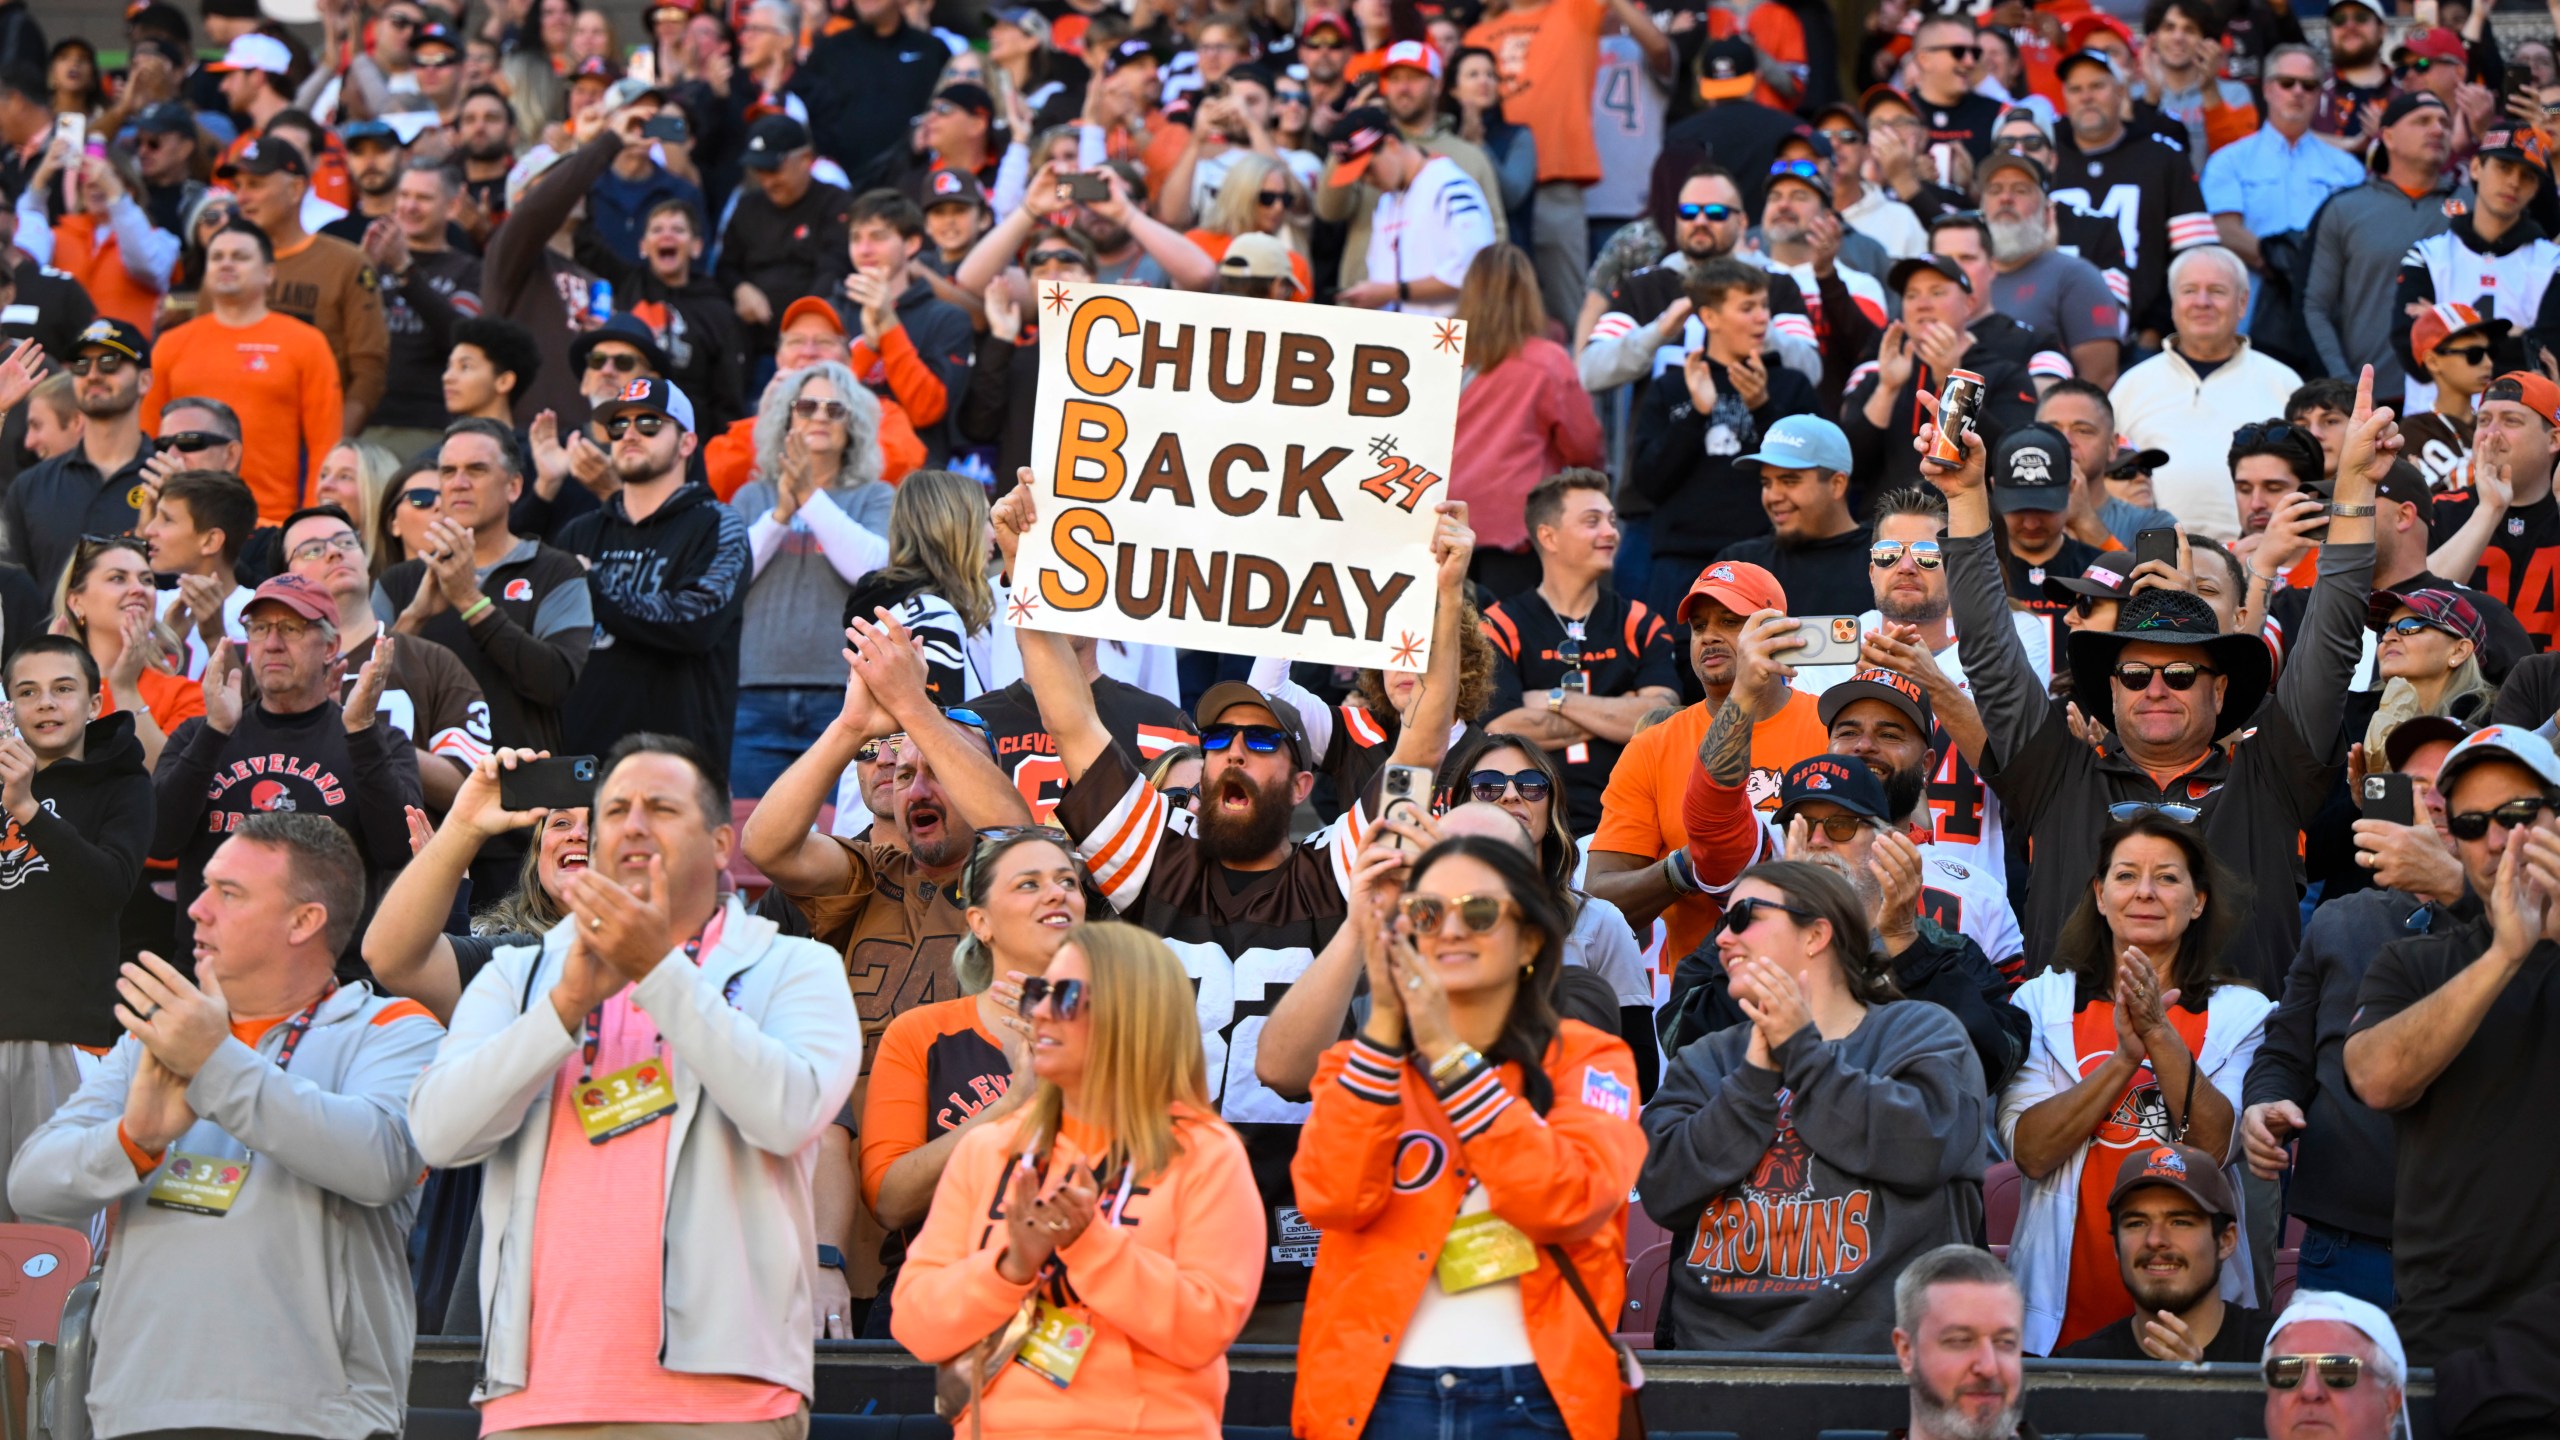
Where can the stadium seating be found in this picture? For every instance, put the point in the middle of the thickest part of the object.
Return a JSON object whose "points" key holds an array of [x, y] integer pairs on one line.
{"points": [[38, 1266], [2001, 1185]]}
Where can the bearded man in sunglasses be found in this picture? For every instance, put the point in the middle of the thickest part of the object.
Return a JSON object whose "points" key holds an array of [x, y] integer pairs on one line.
{"points": [[88, 489], [2169, 686], [2452, 1038]]}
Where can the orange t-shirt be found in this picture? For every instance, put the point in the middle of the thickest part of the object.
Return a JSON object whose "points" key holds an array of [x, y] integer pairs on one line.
{"points": [[599, 1236], [1550, 56], [1640, 811], [2138, 1119], [96, 260], [1216, 246], [173, 700], [936, 1066], [279, 374]]}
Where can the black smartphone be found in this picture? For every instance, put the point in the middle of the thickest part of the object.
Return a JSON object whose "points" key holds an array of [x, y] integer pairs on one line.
{"points": [[2389, 796], [667, 125], [563, 782], [2157, 544], [1088, 187]]}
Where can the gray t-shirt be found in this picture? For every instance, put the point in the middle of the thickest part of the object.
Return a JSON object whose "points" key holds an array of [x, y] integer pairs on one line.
{"points": [[2061, 295], [794, 633]]}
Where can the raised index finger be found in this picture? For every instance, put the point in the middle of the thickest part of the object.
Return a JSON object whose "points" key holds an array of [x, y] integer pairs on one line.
{"points": [[2364, 395]]}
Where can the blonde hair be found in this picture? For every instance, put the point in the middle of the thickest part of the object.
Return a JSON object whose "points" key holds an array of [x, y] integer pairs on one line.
{"points": [[1236, 209], [375, 467], [938, 535], [1144, 1056]]}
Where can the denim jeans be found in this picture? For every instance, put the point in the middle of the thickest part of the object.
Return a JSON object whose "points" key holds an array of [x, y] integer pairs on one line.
{"points": [[776, 725], [1505, 1402], [2346, 1262]]}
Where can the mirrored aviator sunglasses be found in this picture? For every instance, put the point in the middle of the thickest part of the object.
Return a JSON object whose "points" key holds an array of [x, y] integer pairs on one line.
{"points": [[2124, 810], [1065, 997], [2336, 1372]]}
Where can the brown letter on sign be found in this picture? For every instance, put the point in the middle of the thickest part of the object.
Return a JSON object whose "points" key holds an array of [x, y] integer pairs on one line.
{"points": [[1304, 376], [1243, 608], [1377, 380], [1236, 502]]}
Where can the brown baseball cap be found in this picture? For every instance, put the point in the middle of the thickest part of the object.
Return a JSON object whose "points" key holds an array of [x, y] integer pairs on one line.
{"points": [[2182, 1168]]}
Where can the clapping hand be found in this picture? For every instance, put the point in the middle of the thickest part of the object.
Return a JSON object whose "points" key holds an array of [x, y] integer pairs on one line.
{"points": [[180, 1022], [1777, 1003], [366, 699]]}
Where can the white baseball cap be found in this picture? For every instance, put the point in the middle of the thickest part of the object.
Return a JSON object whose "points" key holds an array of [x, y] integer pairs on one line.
{"points": [[255, 51]]}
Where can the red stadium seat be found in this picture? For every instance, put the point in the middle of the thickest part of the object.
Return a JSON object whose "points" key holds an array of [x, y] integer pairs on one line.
{"points": [[13, 1390], [38, 1266], [2001, 1185], [1648, 1281], [2288, 1265], [1642, 1233]]}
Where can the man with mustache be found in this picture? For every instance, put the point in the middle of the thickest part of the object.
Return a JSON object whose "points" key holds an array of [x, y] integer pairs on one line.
{"points": [[1957, 1321], [2174, 1226], [1244, 907]]}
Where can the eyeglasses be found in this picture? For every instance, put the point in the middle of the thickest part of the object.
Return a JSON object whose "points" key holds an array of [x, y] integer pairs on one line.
{"points": [[1885, 554], [619, 362], [1289, 97], [2023, 144], [1272, 197], [2178, 675], [1712, 214], [1843, 136], [2337, 1372], [1742, 914], [815, 409], [2411, 625], [347, 543], [1260, 739], [2293, 82], [1489, 785], [2514, 815], [1478, 913], [2467, 354], [1065, 997], [883, 751], [1185, 796], [647, 425], [279, 629], [422, 498], [2124, 810], [190, 441], [103, 364], [1056, 257], [1966, 53]]}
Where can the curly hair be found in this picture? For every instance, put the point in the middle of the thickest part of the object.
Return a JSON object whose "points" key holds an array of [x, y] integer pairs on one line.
{"points": [[861, 462], [1475, 675]]}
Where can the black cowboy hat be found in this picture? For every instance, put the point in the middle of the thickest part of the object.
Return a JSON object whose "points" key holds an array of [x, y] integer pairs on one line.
{"points": [[2170, 617]]}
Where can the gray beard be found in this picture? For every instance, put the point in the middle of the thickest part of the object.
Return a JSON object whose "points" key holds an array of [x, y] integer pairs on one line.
{"points": [[2015, 240], [1942, 1419], [1784, 234]]}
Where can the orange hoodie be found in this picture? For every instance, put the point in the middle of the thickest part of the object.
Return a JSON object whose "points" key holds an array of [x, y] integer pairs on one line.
{"points": [[1168, 1287], [1382, 1171]]}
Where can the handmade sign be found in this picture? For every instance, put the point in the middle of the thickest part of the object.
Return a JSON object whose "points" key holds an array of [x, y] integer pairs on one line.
{"points": [[1252, 476]]}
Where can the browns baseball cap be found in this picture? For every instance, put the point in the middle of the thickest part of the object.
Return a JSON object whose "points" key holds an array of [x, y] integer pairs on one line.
{"points": [[1356, 138], [1411, 55], [2445, 319], [265, 155], [1892, 687], [810, 305], [2182, 1168], [1728, 69], [1228, 694], [2527, 388], [1839, 779], [297, 595], [1737, 585]]}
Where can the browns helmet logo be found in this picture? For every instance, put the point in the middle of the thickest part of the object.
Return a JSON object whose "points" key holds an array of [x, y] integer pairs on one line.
{"points": [[271, 796]]}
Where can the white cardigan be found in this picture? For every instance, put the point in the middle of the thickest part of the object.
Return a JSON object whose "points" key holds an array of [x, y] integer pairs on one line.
{"points": [[2161, 405], [2040, 1250]]}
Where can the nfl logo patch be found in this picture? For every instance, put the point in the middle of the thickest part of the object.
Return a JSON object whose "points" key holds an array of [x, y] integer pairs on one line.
{"points": [[519, 589], [1606, 1092]]}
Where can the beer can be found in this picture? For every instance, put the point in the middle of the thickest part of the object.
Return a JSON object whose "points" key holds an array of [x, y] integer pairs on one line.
{"points": [[1959, 405], [600, 305]]}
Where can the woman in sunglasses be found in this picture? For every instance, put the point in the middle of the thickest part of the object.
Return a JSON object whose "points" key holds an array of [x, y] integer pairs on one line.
{"points": [[1838, 1105], [2140, 1037], [2427, 646], [818, 515], [1131, 1241], [105, 597], [412, 499], [947, 1068], [1467, 1158], [1259, 196]]}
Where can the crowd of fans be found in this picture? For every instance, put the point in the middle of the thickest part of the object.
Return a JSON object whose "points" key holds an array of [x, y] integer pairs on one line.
{"points": [[500, 568]]}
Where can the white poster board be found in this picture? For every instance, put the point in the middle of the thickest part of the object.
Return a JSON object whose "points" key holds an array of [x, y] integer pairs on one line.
{"points": [[1251, 476]]}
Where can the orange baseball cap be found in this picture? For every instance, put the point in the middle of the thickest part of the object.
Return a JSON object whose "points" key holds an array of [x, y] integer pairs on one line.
{"points": [[811, 305], [1737, 585], [2526, 388]]}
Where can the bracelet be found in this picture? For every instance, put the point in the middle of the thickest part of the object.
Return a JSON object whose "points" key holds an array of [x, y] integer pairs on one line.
{"points": [[1682, 871], [2267, 580], [2350, 512], [1449, 1069], [1404, 291], [483, 603]]}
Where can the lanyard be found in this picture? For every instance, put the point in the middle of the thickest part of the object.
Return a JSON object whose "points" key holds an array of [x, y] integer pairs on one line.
{"points": [[591, 1034], [299, 1026]]}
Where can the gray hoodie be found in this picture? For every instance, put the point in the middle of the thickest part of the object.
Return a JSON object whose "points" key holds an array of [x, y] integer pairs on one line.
{"points": [[2350, 300], [292, 1314], [1795, 1196]]}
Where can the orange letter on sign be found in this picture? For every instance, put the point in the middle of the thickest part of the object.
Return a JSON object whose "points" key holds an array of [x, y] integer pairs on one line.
{"points": [[1089, 430], [1075, 534], [1079, 335]]}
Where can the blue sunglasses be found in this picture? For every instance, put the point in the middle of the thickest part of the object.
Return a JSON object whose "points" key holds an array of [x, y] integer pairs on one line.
{"points": [[1260, 739]]}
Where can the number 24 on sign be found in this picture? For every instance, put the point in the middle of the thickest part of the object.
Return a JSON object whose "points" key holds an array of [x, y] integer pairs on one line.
{"points": [[1398, 473]]}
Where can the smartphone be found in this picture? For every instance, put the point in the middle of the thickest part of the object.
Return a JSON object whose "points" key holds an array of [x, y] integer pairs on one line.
{"points": [[2159, 544], [1828, 640], [8, 721], [563, 782], [2391, 797], [72, 128], [667, 125], [1404, 793], [644, 67], [1944, 156], [1088, 187]]}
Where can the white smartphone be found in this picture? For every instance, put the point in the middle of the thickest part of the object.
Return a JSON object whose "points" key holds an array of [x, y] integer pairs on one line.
{"points": [[72, 128]]}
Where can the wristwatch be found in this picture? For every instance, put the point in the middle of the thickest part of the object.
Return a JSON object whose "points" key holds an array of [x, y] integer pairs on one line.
{"points": [[1555, 699], [830, 1258]]}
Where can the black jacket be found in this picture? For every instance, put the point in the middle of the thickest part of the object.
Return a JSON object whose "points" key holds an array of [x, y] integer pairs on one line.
{"points": [[1821, 577], [865, 89], [1004, 387], [526, 650], [1886, 461], [64, 876], [780, 252], [670, 595], [1944, 968], [1684, 461]]}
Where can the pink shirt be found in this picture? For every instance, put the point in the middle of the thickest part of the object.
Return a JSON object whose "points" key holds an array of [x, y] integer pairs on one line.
{"points": [[599, 1301], [1526, 419]]}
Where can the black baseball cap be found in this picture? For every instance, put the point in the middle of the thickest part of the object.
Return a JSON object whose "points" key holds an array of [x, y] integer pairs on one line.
{"points": [[2063, 67], [169, 117], [771, 139], [265, 155], [1844, 782], [2097, 582], [968, 96], [122, 337], [1897, 690], [2031, 470], [1904, 270], [434, 35]]}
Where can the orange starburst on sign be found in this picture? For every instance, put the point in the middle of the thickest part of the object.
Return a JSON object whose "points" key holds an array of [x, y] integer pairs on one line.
{"points": [[1408, 645], [1020, 608], [1447, 338], [1057, 298]]}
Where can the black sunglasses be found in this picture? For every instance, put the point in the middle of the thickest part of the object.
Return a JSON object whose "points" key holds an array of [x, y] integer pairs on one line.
{"points": [[2514, 815], [189, 442], [1272, 197], [1885, 554], [623, 364], [1716, 214], [648, 425], [1065, 997], [2178, 675], [2467, 354], [2124, 810], [1185, 796], [1260, 739], [1488, 785], [1569, 650], [1965, 53], [1054, 257], [2293, 82], [1842, 829], [2269, 434], [2337, 1372], [1742, 914], [103, 364]]}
